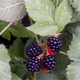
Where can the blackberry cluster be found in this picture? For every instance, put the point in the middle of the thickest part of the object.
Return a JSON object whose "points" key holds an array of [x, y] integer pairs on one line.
{"points": [[33, 50], [33, 64], [55, 44], [49, 62]]}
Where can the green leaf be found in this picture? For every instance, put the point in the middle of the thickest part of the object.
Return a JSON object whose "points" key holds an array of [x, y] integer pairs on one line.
{"points": [[17, 49], [12, 10], [74, 52], [5, 71], [76, 16], [6, 34], [20, 31], [15, 77], [43, 28], [75, 4], [71, 28], [66, 39], [63, 14], [19, 68], [78, 31], [62, 62], [17, 31], [40, 10], [73, 70], [46, 76]]}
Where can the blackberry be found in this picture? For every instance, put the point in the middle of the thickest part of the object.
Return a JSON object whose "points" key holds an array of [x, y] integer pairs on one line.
{"points": [[33, 64], [33, 50], [55, 44], [49, 62]]}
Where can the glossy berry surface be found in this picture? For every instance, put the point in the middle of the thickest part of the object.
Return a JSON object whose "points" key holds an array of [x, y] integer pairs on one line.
{"points": [[33, 64], [49, 62], [33, 50], [55, 44]]}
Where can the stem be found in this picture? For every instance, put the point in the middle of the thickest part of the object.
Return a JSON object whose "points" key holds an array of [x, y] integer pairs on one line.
{"points": [[37, 40], [30, 20], [34, 34], [57, 3], [63, 52], [35, 76], [5, 28]]}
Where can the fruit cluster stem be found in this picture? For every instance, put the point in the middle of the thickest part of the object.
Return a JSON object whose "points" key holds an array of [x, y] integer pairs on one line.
{"points": [[63, 52]]}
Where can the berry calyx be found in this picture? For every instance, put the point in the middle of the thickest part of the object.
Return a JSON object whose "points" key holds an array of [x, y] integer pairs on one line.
{"points": [[33, 50], [49, 62], [44, 69], [55, 44], [49, 51], [33, 64]]}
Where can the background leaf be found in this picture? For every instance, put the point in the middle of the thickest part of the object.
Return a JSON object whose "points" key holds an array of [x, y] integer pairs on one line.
{"points": [[62, 62], [43, 29], [40, 10], [5, 71], [12, 10], [63, 14]]}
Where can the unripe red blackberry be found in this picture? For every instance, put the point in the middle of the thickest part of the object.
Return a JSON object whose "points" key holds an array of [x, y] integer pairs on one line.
{"points": [[55, 44], [33, 50], [33, 64], [49, 62]]}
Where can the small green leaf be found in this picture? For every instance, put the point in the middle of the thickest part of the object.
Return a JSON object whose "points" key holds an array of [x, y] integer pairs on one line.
{"points": [[12, 10], [43, 28], [17, 49], [40, 10], [15, 77], [46, 76], [63, 13], [5, 71]]}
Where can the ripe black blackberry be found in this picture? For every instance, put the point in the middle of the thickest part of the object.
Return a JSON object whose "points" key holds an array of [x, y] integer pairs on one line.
{"points": [[55, 44], [33, 64], [49, 62], [33, 50]]}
